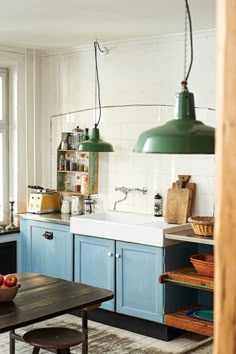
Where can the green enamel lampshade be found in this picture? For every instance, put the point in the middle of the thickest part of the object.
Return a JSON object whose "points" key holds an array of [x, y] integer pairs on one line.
{"points": [[182, 135], [95, 144]]}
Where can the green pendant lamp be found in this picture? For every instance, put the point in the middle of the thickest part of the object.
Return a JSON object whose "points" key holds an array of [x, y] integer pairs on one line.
{"points": [[184, 134], [95, 143]]}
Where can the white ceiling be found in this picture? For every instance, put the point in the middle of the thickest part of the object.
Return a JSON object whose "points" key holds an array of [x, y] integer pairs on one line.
{"points": [[61, 23]]}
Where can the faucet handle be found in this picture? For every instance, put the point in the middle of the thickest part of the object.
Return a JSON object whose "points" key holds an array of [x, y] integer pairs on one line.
{"points": [[144, 190]]}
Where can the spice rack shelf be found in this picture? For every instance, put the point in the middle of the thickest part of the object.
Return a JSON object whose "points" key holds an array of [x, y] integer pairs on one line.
{"points": [[77, 172], [189, 278]]}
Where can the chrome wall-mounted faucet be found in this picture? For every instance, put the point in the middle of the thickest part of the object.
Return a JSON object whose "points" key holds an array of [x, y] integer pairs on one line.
{"points": [[126, 190]]}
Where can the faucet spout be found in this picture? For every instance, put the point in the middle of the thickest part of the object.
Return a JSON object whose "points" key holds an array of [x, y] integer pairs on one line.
{"points": [[126, 190], [120, 200]]}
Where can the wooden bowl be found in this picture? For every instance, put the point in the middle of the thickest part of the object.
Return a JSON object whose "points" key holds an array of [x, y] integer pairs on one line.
{"points": [[8, 294], [202, 225], [203, 263]]}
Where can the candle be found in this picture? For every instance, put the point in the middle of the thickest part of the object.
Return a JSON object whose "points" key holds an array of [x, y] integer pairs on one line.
{"points": [[11, 199]]}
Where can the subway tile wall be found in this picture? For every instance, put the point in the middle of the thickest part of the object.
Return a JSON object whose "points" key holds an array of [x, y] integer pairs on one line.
{"points": [[125, 119]]}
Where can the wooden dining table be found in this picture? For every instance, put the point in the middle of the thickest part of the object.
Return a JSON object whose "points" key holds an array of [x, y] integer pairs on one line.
{"points": [[41, 297]]}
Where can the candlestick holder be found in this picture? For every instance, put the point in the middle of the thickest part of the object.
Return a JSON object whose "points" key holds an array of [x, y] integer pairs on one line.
{"points": [[11, 226]]}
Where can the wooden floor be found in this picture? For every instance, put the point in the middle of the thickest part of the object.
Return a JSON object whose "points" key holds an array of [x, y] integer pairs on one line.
{"points": [[139, 341]]}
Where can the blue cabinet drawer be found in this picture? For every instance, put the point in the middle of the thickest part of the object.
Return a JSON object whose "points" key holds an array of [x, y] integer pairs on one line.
{"points": [[47, 248]]}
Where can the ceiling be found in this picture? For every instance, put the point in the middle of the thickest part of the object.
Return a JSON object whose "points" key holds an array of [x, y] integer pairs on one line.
{"points": [[47, 24]]}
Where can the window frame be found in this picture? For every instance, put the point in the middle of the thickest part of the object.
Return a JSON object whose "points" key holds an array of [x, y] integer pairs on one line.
{"points": [[4, 130]]}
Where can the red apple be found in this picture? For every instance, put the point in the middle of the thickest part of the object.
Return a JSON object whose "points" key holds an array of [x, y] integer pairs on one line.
{"points": [[10, 280], [1, 279], [3, 286]]}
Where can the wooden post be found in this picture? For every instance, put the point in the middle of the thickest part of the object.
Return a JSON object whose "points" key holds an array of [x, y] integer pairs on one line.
{"points": [[225, 230]]}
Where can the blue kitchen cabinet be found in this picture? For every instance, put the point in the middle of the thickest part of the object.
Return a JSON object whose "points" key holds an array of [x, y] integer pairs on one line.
{"points": [[94, 264], [46, 248], [130, 270], [139, 293]]}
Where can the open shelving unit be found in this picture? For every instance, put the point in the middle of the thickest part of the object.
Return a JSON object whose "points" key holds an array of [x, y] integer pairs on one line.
{"points": [[188, 277], [91, 173]]}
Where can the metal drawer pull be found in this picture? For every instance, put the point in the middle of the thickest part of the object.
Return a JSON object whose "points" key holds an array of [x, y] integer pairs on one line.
{"points": [[117, 255], [110, 254], [48, 235]]}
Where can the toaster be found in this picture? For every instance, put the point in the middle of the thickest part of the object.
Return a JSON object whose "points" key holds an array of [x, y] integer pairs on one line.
{"points": [[44, 203]]}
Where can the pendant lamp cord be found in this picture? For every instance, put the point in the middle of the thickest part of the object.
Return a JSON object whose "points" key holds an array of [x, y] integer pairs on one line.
{"points": [[97, 46], [187, 16]]}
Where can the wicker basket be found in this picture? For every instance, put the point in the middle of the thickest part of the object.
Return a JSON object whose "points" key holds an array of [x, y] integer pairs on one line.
{"points": [[8, 294], [203, 263], [202, 225]]}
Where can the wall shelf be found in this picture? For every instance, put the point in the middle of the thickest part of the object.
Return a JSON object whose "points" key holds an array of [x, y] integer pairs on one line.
{"points": [[189, 236], [70, 182]]}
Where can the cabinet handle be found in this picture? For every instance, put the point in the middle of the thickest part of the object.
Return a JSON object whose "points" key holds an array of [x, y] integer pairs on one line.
{"points": [[117, 255], [48, 235], [110, 254]]}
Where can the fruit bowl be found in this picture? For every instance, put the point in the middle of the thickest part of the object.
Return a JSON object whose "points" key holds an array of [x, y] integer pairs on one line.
{"points": [[8, 294]]}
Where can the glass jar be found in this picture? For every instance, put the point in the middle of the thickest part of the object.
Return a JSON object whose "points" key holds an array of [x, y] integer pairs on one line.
{"points": [[61, 163], [84, 184], [68, 183], [73, 163]]}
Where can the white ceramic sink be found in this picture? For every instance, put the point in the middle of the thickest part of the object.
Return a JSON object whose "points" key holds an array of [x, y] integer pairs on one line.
{"points": [[122, 226]]}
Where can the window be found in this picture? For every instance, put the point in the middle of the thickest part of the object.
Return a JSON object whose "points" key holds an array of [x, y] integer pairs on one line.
{"points": [[4, 125]]}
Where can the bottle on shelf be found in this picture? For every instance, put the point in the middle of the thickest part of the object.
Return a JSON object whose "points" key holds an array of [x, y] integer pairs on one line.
{"points": [[67, 162], [61, 163], [64, 145], [81, 162], [157, 205], [86, 134], [78, 184]]}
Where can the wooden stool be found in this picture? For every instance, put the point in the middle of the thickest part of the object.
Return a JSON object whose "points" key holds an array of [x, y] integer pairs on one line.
{"points": [[60, 339]]}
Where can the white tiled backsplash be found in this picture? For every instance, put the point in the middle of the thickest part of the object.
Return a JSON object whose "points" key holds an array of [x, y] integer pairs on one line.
{"points": [[156, 172], [122, 123]]}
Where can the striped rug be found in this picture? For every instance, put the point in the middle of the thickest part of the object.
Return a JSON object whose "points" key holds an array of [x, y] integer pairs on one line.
{"points": [[104, 339]]}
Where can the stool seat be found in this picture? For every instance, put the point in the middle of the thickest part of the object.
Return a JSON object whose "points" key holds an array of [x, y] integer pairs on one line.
{"points": [[53, 337]]}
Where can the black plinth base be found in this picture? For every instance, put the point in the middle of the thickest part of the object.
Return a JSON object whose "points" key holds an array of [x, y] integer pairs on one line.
{"points": [[133, 324]]}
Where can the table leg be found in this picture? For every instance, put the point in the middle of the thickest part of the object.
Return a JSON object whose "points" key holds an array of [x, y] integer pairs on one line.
{"points": [[11, 342], [84, 331]]}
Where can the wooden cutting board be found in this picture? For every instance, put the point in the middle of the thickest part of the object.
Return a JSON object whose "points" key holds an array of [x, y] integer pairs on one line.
{"points": [[177, 205], [192, 187]]}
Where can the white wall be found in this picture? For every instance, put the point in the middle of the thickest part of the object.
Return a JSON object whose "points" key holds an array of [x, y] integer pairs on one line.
{"points": [[23, 121], [145, 72]]}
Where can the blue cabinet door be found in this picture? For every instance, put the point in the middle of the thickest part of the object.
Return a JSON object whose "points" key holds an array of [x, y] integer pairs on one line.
{"points": [[139, 293], [94, 264], [49, 249]]}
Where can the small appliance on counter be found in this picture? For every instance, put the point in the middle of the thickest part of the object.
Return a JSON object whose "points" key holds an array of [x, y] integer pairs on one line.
{"points": [[43, 201]]}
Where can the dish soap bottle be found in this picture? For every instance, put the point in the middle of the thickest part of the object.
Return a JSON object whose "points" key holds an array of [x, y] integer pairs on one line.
{"points": [[158, 205]]}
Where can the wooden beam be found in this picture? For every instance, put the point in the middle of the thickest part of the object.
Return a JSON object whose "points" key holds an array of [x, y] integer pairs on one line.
{"points": [[225, 230]]}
